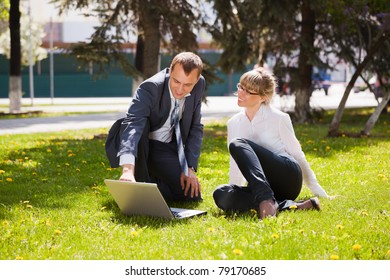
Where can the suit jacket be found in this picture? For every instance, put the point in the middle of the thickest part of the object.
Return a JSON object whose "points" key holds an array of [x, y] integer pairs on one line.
{"points": [[149, 109]]}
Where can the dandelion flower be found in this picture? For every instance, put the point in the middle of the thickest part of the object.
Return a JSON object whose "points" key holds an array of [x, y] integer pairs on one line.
{"points": [[2, 172], [58, 232], [293, 207], [238, 252], [5, 223], [339, 226], [327, 148], [104, 207], [29, 206], [356, 247], [275, 236], [210, 229], [334, 257], [48, 150], [134, 234], [9, 179], [19, 258]]}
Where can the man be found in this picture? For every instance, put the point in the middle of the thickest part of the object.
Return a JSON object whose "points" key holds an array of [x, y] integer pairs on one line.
{"points": [[148, 149]]}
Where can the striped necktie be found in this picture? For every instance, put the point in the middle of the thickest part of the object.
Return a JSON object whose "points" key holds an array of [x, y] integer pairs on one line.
{"points": [[180, 149]]}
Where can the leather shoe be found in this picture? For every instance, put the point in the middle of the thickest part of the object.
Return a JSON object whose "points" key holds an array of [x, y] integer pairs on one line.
{"points": [[267, 208], [312, 203]]}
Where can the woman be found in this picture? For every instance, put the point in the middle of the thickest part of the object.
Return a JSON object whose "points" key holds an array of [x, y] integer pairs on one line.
{"points": [[265, 153]]}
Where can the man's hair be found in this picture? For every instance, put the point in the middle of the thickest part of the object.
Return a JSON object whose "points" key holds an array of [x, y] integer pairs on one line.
{"points": [[189, 61]]}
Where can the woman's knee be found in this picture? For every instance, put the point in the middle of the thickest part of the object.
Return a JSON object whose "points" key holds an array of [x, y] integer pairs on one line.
{"points": [[237, 143]]}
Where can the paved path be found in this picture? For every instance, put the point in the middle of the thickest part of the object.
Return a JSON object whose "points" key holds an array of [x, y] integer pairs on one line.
{"points": [[216, 107]]}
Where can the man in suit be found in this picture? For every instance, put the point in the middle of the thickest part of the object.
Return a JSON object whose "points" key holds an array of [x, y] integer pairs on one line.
{"points": [[148, 149]]}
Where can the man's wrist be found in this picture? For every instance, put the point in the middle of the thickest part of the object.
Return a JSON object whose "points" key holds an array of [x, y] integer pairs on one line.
{"points": [[192, 168]]}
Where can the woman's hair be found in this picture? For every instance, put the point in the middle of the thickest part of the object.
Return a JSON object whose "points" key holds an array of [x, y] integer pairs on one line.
{"points": [[189, 61], [260, 81]]}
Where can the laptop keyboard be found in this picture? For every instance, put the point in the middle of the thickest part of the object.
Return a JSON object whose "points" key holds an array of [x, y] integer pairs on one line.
{"points": [[175, 213]]}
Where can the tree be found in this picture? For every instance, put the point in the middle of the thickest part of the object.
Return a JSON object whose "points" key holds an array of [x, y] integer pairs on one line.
{"points": [[15, 82], [293, 32], [170, 24], [365, 44]]}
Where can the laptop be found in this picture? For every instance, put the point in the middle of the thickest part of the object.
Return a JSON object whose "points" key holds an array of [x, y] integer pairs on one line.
{"points": [[145, 199]]}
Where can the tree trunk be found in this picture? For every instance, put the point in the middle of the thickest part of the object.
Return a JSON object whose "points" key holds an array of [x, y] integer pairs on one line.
{"points": [[335, 124], [375, 116], [305, 68], [150, 23], [15, 83], [139, 60]]}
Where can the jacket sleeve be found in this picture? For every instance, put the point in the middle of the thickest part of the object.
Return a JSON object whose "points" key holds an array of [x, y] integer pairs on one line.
{"points": [[136, 119], [195, 134]]}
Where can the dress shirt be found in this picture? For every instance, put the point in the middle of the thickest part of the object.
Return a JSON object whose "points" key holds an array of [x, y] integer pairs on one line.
{"points": [[273, 130]]}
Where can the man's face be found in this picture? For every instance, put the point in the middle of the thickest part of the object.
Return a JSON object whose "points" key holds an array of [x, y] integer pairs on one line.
{"points": [[181, 84]]}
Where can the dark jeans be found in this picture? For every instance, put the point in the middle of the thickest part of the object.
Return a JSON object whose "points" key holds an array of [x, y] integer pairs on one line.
{"points": [[269, 176]]}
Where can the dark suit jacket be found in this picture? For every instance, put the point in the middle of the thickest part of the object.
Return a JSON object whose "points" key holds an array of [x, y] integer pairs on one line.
{"points": [[150, 109]]}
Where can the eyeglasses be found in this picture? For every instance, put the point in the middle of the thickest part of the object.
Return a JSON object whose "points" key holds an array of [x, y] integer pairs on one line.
{"points": [[240, 87]]}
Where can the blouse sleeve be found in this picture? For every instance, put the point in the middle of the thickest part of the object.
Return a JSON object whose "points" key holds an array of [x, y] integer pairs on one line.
{"points": [[293, 148]]}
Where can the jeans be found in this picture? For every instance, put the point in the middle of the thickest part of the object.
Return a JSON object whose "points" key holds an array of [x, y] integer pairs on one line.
{"points": [[269, 176]]}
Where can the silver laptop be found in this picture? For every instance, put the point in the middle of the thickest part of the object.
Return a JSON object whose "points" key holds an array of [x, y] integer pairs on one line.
{"points": [[145, 199]]}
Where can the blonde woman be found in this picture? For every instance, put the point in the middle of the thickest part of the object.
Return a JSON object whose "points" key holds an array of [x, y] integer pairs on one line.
{"points": [[267, 164]]}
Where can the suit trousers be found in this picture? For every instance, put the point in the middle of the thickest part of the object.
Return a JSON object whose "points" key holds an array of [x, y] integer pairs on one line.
{"points": [[269, 176], [158, 162]]}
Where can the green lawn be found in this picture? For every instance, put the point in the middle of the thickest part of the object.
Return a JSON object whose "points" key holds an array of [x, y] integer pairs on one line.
{"points": [[54, 204]]}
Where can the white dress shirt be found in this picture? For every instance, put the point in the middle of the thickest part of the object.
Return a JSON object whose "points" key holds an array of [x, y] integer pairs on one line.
{"points": [[273, 130]]}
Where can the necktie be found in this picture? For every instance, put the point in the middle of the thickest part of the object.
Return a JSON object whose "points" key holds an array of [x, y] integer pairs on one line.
{"points": [[179, 140]]}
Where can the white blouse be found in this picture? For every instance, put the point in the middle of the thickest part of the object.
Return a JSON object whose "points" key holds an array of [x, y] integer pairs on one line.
{"points": [[273, 130]]}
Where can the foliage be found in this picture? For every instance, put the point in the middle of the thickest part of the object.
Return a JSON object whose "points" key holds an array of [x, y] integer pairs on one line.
{"points": [[37, 34], [54, 204]]}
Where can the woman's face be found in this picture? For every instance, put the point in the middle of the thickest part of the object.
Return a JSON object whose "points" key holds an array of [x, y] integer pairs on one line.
{"points": [[246, 98]]}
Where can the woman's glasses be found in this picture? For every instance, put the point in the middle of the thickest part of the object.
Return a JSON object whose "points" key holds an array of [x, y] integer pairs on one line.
{"points": [[240, 87]]}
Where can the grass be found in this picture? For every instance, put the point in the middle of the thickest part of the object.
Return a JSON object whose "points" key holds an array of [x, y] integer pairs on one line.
{"points": [[54, 204]]}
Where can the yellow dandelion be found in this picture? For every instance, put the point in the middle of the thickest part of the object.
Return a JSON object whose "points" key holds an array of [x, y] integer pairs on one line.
{"points": [[48, 223], [275, 236], [302, 231], [84, 162], [134, 234], [2, 172], [210, 229], [339, 226], [356, 247], [58, 232], [364, 213], [104, 207], [327, 148], [293, 207], [19, 258], [334, 257], [103, 163], [26, 202], [9, 180], [67, 164], [48, 150], [5, 223], [29, 206], [109, 169], [77, 169], [238, 252]]}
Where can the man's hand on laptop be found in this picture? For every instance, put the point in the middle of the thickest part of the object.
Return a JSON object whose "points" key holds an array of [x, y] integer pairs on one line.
{"points": [[190, 182], [127, 173]]}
